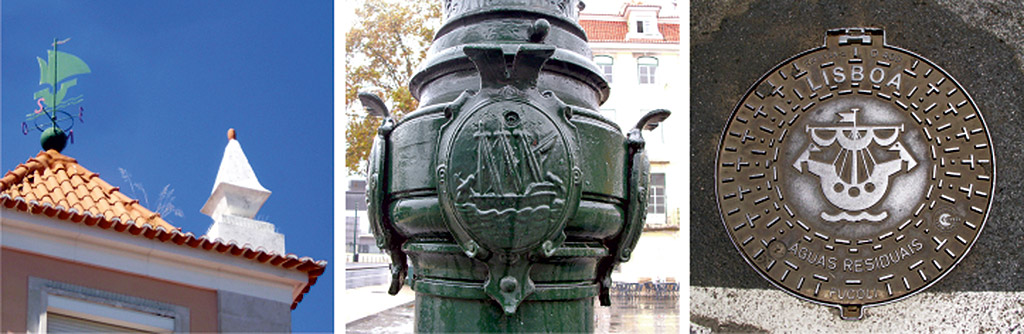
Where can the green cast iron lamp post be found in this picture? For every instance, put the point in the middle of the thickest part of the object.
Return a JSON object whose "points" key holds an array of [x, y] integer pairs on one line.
{"points": [[510, 195]]}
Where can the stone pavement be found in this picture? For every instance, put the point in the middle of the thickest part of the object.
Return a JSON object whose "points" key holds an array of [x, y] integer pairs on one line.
{"points": [[980, 43], [753, 310]]}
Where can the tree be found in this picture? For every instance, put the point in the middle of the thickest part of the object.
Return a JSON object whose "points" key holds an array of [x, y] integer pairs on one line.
{"points": [[386, 43]]}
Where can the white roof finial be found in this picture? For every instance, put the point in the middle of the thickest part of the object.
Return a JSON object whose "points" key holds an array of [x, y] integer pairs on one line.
{"points": [[237, 196], [236, 182]]}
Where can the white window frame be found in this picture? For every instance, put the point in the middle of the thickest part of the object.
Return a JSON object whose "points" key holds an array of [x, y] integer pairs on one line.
{"points": [[46, 297], [657, 191], [643, 25], [649, 63], [607, 65]]}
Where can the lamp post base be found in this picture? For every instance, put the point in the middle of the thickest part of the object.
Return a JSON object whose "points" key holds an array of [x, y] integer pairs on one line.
{"points": [[436, 314]]}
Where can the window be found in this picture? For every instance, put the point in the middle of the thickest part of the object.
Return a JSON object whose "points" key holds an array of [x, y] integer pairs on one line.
{"points": [[642, 24], [604, 63], [55, 307], [59, 323], [656, 204], [645, 69], [646, 27]]}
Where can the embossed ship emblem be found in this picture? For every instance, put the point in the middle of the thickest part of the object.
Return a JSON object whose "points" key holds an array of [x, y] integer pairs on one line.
{"points": [[855, 179], [899, 150], [509, 195]]}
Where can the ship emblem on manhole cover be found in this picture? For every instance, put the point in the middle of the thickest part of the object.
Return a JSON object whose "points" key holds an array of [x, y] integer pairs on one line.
{"points": [[854, 180], [855, 174]]}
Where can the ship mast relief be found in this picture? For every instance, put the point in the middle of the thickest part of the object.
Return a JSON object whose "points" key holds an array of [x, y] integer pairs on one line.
{"points": [[509, 160], [508, 189]]}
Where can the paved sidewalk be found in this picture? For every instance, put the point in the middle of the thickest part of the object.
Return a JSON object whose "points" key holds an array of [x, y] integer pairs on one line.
{"points": [[366, 301], [714, 309], [396, 320]]}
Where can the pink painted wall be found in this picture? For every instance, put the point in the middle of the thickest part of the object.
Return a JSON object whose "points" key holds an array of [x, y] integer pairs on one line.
{"points": [[16, 267]]}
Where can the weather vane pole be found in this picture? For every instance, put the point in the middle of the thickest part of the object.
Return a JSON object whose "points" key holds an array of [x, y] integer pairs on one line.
{"points": [[56, 132]]}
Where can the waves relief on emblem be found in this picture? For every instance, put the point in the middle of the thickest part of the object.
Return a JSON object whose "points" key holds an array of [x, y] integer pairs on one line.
{"points": [[855, 177]]}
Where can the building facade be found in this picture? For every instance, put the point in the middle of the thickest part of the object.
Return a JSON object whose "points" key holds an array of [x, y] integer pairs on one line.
{"points": [[637, 48], [80, 256], [639, 52]]}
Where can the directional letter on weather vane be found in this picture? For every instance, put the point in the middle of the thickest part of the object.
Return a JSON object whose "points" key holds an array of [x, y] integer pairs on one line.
{"points": [[855, 174]]}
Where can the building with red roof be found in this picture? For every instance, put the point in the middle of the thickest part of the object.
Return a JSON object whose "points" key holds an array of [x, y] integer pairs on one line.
{"points": [[78, 255], [638, 50]]}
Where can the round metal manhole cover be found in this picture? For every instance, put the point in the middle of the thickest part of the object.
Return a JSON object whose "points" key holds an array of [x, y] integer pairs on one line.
{"points": [[856, 173]]}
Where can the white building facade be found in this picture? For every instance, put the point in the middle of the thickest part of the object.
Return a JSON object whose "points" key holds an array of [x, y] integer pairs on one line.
{"points": [[638, 50]]}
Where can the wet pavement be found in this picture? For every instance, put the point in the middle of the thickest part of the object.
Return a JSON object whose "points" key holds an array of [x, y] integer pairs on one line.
{"points": [[369, 301], [644, 314], [396, 320]]}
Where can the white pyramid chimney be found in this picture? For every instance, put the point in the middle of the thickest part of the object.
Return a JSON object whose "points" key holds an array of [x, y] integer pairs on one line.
{"points": [[237, 196]]}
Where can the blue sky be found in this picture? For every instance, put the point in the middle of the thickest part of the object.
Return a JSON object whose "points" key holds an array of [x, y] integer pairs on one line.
{"points": [[168, 79]]}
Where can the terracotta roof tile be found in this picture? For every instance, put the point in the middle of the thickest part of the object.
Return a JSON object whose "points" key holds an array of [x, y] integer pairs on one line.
{"points": [[604, 31], [615, 31], [55, 185], [55, 179], [50, 182], [669, 31]]}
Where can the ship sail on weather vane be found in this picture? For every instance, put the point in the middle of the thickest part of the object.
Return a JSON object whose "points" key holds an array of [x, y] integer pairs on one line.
{"points": [[51, 116]]}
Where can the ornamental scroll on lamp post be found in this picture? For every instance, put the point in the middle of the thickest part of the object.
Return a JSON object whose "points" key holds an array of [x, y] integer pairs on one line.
{"points": [[511, 196]]}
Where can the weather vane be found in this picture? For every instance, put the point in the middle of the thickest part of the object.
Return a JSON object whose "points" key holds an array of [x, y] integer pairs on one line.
{"points": [[50, 117]]}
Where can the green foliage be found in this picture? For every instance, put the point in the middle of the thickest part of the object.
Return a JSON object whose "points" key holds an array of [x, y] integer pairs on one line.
{"points": [[385, 45]]}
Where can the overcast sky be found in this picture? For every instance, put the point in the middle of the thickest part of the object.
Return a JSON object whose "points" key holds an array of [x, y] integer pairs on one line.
{"points": [[612, 7]]}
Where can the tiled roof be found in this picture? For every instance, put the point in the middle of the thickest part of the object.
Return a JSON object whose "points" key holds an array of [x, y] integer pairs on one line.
{"points": [[56, 186], [58, 180], [615, 31]]}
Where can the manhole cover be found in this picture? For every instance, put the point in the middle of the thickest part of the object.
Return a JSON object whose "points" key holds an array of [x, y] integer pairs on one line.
{"points": [[855, 174]]}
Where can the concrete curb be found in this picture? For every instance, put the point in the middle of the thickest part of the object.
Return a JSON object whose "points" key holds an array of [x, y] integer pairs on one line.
{"points": [[731, 310]]}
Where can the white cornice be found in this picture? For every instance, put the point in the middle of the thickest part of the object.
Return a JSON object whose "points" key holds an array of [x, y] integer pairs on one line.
{"points": [[146, 257]]}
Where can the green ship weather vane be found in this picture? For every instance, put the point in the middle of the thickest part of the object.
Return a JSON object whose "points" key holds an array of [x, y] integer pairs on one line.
{"points": [[51, 116]]}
